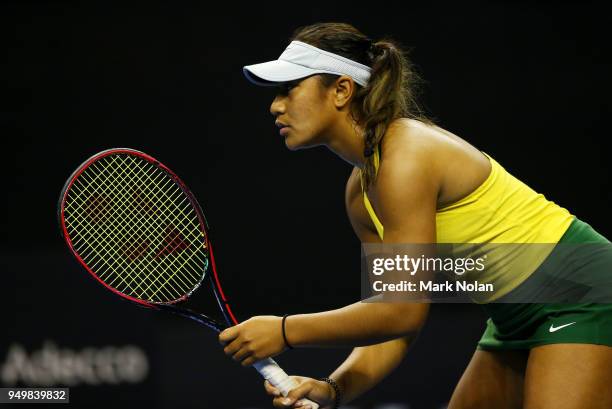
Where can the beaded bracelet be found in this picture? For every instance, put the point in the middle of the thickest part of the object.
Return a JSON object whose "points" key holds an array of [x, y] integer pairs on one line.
{"points": [[284, 334], [336, 389]]}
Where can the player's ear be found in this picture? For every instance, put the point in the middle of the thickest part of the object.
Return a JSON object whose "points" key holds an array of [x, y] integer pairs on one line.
{"points": [[343, 91]]}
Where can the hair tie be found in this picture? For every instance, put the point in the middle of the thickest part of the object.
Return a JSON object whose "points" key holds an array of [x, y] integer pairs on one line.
{"points": [[374, 49]]}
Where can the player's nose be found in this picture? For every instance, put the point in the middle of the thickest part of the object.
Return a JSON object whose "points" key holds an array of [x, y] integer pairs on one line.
{"points": [[278, 106]]}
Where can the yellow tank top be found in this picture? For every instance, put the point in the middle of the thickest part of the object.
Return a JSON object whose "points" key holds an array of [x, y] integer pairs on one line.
{"points": [[501, 210]]}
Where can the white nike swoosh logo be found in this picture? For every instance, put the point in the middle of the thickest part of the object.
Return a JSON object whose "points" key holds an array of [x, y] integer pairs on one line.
{"points": [[553, 328]]}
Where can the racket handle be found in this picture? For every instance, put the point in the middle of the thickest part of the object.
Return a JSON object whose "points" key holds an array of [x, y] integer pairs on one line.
{"points": [[274, 374]]}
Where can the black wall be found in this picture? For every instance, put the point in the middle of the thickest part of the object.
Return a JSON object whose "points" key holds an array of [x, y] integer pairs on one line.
{"points": [[527, 83]]}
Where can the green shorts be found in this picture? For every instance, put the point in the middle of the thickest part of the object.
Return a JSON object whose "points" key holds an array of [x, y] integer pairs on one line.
{"points": [[524, 326]]}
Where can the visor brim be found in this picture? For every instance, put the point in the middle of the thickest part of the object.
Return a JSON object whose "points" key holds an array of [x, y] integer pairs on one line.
{"points": [[272, 73]]}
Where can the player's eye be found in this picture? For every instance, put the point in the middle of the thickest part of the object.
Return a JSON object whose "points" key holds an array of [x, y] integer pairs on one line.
{"points": [[286, 87]]}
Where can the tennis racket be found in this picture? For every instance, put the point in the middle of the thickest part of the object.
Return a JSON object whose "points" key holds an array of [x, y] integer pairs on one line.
{"points": [[139, 231]]}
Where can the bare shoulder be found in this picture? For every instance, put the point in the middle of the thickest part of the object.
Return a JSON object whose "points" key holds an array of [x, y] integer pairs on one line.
{"points": [[405, 190], [426, 136], [448, 162], [410, 149]]}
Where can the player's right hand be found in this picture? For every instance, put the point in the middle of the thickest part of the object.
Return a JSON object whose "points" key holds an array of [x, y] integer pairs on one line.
{"points": [[317, 391]]}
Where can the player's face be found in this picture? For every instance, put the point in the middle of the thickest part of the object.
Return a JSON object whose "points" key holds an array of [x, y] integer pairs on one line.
{"points": [[304, 111]]}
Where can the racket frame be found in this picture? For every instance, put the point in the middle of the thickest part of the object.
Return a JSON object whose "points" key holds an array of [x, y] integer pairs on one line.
{"points": [[203, 224], [268, 368]]}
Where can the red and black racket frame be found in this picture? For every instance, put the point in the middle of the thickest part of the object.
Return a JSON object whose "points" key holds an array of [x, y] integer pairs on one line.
{"points": [[172, 306]]}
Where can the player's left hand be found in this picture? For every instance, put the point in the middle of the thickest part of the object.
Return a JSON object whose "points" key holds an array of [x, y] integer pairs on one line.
{"points": [[312, 389], [254, 339]]}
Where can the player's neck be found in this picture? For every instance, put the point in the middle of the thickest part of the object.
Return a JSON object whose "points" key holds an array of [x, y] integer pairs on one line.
{"points": [[345, 139]]}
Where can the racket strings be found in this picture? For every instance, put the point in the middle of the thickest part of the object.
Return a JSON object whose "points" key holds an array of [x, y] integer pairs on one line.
{"points": [[141, 246], [137, 206], [131, 210], [82, 231], [134, 226], [129, 256]]}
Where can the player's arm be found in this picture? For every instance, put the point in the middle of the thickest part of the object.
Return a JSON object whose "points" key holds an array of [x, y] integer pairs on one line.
{"points": [[406, 193], [366, 366]]}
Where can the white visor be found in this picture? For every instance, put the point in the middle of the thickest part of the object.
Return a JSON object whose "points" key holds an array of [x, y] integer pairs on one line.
{"points": [[300, 60]]}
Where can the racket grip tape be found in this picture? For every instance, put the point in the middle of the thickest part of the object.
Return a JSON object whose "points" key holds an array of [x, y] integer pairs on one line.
{"points": [[274, 374]]}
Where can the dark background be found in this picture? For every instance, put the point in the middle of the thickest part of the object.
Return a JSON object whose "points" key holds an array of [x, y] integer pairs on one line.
{"points": [[527, 83]]}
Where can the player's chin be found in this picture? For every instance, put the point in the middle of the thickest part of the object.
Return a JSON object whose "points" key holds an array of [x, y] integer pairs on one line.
{"points": [[295, 143]]}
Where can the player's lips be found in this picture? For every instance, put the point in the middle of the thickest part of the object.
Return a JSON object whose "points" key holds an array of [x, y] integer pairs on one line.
{"points": [[284, 128]]}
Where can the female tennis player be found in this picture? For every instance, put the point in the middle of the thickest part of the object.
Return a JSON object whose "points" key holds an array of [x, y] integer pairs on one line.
{"points": [[413, 182]]}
